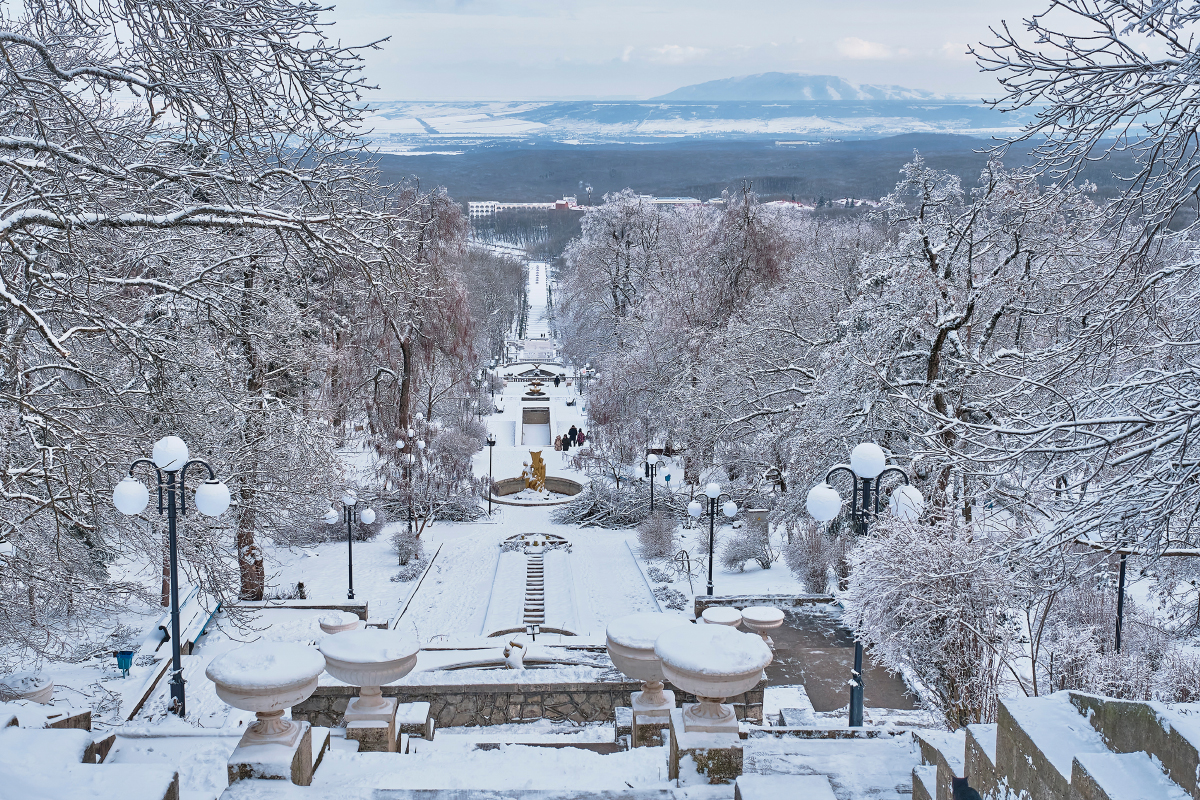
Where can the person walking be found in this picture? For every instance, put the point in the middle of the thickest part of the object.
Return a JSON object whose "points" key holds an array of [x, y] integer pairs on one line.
{"points": [[555, 381], [566, 447], [581, 438], [572, 433], [558, 443]]}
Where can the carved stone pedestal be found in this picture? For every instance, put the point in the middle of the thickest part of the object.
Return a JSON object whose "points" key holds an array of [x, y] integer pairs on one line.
{"points": [[274, 760], [374, 728], [716, 755]]}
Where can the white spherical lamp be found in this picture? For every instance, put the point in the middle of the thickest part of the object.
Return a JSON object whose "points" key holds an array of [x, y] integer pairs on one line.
{"points": [[170, 453], [695, 508], [331, 516], [823, 502], [907, 503], [131, 496], [652, 459], [729, 509], [367, 516], [399, 444], [713, 490], [348, 499], [867, 460], [212, 498]]}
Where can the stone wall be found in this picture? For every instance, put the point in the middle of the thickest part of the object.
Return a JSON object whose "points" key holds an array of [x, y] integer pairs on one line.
{"points": [[498, 703], [777, 600]]}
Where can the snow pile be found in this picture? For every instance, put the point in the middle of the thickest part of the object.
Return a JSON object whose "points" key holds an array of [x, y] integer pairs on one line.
{"points": [[369, 646], [712, 650], [641, 631], [267, 665]]}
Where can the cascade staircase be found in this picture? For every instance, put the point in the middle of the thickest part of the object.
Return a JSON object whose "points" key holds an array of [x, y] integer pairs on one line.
{"points": [[1067, 746], [535, 590]]}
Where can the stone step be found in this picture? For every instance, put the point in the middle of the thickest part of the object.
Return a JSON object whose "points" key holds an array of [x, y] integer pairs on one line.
{"points": [[1132, 726], [775, 787], [281, 790], [980, 764], [1037, 740], [1121, 776], [946, 753]]}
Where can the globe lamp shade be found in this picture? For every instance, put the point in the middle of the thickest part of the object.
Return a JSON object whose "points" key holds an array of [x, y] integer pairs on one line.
{"points": [[400, 444], [170, 453], [652, 459], [212, 498], [131, 496], [695, 508], [348, 499], [823, 502], [367, 516], [420, 445], [907, 503], [867, 460], [713, 490], [331, 516], [729, 509]]}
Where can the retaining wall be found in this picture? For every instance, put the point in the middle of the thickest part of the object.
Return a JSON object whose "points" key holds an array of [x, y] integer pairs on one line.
{"points": [[499, 703]]}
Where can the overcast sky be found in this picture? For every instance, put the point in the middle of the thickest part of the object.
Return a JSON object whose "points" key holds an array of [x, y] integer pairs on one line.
{"points": [[535, 49]]}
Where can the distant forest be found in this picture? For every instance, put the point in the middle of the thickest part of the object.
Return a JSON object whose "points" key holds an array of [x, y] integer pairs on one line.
{"points": [[525, 172]]}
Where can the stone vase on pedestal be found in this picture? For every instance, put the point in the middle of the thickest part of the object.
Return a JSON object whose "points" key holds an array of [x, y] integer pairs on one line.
{"points": [[370, 659], [268, 678], [630, 641], [712, 662], [339, 622], [760, 619], [722, 615]]}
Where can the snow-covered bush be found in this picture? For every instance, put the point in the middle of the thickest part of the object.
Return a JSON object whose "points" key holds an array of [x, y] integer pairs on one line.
{"points": [[656, 536], [658, 574], [811, 553], [408, 546], [411, 571], [671, 598], [749, 543], [603, 506], [936, 599]]}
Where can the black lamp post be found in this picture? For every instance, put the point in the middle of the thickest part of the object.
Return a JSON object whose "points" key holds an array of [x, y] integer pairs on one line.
{"points": [[728, 508], [366, 517], [867, 468], [651, 471], [491, 443], [170, 456]]}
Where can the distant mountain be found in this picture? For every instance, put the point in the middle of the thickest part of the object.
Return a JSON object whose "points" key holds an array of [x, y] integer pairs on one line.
{"points": [[792, 87]]}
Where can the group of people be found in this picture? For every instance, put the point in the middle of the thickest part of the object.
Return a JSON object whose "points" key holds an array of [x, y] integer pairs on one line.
{"points": [[574, 437]]}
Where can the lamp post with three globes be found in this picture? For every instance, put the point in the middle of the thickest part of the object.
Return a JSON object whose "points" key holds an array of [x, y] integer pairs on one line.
{"points": [[366, 517], [170, 461], [867, 468], [729, 508]]}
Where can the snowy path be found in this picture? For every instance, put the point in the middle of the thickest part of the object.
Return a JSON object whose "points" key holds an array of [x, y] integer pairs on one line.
{"points": [[608, 581]]}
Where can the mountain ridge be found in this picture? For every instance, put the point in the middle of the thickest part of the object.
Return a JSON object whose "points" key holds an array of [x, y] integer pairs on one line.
{"points": [[792, 87]]}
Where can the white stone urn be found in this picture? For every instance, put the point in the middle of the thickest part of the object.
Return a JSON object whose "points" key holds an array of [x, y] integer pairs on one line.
{"points": [[712, 662], [267, 678], [339, 621], [369, 659], [722, 615], [760, 619], [27, 686], [631, 647]]}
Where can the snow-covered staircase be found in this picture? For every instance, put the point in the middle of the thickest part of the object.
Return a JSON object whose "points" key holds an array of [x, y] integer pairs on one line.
{"points": [[535, 590], [1069, 746]]}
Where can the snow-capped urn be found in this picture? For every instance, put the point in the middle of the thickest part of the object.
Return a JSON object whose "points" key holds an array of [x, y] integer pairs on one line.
{"points": [[760, 619], [369, 658], [630, 641], [339, 621], [267, 678], [712, 662], [514, 652], [27, 686]]}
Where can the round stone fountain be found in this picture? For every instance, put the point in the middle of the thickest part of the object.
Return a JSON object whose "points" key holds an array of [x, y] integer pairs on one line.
{"points": [[712, 662], [760, 619], [631, 647], [267, 678], [369, 659]]}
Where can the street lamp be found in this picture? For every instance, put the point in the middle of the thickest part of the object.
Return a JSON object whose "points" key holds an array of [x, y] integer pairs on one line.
{"points": [[170, 456], [651, 471], [867, 467], [729, 509], [491, 442], [366, 517]]}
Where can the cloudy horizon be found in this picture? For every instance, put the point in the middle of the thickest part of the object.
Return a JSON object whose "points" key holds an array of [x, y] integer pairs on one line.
{"points": [[522, 50]]}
